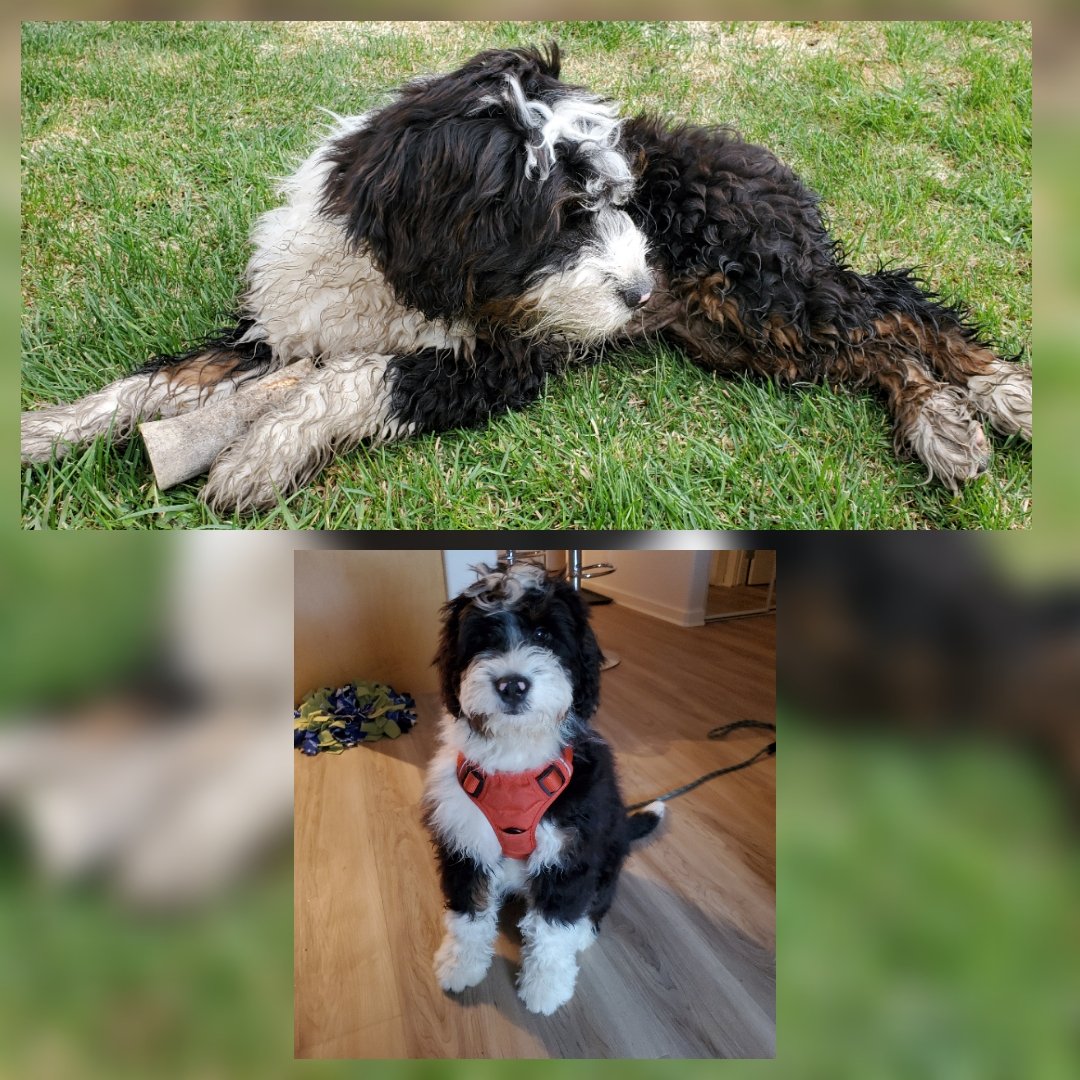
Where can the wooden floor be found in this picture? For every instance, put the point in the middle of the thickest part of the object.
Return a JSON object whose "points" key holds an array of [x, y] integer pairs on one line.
{"points": [[684, 966]]}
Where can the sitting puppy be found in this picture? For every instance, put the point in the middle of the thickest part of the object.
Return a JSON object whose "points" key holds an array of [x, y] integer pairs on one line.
{"points": [[522, 795]]}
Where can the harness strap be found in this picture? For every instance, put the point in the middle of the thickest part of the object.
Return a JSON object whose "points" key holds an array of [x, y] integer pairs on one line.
{"points": [[514, 803]]}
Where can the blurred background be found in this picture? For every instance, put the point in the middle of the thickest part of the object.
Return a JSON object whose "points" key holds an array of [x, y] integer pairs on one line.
{"points": [[928, 771]]}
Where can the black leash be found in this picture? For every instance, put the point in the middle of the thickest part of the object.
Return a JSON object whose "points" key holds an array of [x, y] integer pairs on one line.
{"points": [[719, 733]]}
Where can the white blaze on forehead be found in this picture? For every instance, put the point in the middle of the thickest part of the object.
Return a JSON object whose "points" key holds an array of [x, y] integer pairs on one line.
{"points": [[620, 249]]}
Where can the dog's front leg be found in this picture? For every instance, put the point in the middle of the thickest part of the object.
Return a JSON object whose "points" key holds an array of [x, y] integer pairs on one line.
{"points": [[116, 410], [344, 401], [471, 918], [376, 397], [549, 959], [463, 958]]}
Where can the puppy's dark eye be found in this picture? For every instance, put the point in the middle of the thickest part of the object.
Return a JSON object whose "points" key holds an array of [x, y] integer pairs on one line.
{"points": [[541, 635]]}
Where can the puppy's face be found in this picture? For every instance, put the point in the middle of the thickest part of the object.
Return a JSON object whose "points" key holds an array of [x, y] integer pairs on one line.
{"points": [[518, 654], [495, 194], [512, 674]]}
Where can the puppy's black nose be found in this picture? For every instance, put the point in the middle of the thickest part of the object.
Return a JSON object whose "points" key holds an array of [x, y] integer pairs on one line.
{"points": [[637, 295], [512, 688]]}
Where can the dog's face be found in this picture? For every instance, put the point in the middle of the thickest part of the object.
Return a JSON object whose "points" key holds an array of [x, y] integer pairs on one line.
{"points": [[517, 654], [494, 194]]}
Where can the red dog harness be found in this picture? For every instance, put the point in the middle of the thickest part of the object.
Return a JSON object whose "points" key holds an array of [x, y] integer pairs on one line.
{"points": [[514, 803]]}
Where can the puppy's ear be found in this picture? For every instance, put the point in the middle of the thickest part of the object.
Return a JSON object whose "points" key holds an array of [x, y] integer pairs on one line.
{"points": [[434, 186], [446, 659]]}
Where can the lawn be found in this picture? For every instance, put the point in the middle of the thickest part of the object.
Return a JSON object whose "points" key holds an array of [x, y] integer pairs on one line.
{"points": [[149, 148]]}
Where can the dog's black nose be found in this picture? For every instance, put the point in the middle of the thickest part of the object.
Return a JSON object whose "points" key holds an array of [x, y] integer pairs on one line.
{"points": [[637, 295], [512, 688]]}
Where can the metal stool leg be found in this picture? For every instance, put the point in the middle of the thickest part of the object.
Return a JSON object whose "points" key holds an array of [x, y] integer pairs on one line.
{"points": [[576, 573]]}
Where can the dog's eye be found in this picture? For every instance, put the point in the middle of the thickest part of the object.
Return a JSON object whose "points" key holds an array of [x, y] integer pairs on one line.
{"points": [[542, 635]]}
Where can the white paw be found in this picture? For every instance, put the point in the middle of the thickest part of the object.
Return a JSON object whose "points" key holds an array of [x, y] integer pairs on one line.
{"points": [[464, 956], [40, 434], [545, 989], [1004, 397], [948, 438], [234, 485], [549, 960], [457, 967]]}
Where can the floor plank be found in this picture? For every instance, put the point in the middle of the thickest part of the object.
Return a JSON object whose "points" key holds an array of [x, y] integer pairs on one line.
{"points": [[684, 966]]}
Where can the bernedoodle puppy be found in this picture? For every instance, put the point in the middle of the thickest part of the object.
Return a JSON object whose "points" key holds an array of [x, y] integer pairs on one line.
{"points": [[521, 796], [439, 257]]}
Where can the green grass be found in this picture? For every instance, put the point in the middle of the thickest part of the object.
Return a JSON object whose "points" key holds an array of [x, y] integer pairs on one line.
{"points": [[149, 148], [107, 991]]}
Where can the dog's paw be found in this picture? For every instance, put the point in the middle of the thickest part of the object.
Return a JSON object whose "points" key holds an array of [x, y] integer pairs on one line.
{"points": [[1003, 396], [549, 960], [233, 484], [463, 958], [42, 436], [459, 966], [947, 437], [545, 988]]}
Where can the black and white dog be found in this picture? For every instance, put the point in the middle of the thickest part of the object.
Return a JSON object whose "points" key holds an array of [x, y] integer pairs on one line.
{"points": [[522, 795], [441, 256]]}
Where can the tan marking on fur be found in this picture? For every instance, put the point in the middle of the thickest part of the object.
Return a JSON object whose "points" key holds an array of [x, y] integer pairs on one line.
{"points": [[952, 356], [510, 311], [706, 295], [783, 335], [202, 371], [478, 723], [724, 311]]}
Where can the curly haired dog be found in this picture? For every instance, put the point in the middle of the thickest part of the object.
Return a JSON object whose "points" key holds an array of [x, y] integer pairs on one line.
{"points": [[521, 796], [441, 256]]}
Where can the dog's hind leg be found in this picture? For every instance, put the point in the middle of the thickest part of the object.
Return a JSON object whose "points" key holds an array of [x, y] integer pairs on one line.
{"points": [[165, 386], [936, 376], [932, 420], [942, 335]]}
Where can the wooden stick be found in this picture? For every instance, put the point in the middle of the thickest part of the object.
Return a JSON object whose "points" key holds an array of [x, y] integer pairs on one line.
{"points": [[186, 445]]}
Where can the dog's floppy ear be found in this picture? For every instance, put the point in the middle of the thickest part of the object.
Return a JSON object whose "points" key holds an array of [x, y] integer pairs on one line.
{"points": [[446, 659], [435, 188]]}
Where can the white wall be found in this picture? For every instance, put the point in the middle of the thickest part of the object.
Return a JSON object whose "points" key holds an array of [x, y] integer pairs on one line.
{"points": [[670, 585], [457, 565]]}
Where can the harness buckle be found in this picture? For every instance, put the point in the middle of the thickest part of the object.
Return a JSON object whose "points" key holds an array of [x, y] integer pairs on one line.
{"points": [[551, 775]]}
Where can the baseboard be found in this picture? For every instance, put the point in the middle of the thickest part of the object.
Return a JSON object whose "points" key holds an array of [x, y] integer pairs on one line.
{"points": [[647, 606]]}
